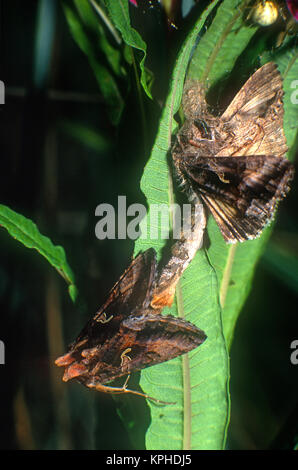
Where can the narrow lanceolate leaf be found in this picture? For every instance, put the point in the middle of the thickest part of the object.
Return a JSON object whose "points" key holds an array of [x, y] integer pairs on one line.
{"points": [[214, 58], [234, 266], [287, 63], [80, 26], [221, 45], [94, 18], [119, 14], [27, 233], [197, 382]]}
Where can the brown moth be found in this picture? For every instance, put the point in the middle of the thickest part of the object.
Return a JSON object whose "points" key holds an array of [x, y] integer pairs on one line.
{"points": [[235, 162], [128, 333]]}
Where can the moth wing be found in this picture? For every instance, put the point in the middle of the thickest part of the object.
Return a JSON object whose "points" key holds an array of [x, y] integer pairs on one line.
{"points": [[240, 192], [256, 93], [259, 105], [233, 227], [132, 292], [160, 338], [143, 341], [133, 289]]}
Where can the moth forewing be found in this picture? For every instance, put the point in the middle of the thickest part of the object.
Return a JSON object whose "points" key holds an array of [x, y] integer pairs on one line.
{"points": [[128, 333], [260, 88]]}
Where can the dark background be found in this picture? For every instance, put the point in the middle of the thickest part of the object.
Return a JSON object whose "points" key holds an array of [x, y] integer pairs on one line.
{"points": [[61, 157]]}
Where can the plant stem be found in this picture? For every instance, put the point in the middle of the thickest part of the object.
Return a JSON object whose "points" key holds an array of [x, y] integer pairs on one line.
{"points": [[186, 381], [227, 275]]}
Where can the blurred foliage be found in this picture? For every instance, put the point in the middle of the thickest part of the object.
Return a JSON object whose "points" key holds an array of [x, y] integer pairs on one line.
{"points": [[78, 129]]}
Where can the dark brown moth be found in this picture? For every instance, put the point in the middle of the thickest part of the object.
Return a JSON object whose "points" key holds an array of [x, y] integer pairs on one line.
{"points": [[235, 162], [128, 333]]}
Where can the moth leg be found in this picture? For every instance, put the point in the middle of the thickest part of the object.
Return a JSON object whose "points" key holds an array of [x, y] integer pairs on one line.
{"points": [[103, 318], [222, 177], [124, 360], [126, 382], [119, 390]]}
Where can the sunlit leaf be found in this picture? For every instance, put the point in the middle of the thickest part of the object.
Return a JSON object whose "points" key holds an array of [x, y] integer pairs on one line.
{"points": [[197, 383], [119, 13], [26, 232]]}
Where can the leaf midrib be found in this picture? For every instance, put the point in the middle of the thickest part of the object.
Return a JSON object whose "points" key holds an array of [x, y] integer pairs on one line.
{"points": [[227, 272], [229, 262]]}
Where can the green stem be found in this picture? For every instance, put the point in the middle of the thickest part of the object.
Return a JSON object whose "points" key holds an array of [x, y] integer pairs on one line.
{"points": [[186, 381], [227, 275], [290, 64], [180, 309]]}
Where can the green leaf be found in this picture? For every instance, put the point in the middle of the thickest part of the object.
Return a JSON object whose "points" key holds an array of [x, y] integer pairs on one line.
{"points": [[196, 421], [106, 82], [119, 13], [27, 233], [95, 23], [197, 382], [288, 66], [222, 43], [83, 134], [225, 40], [234, 266]]}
